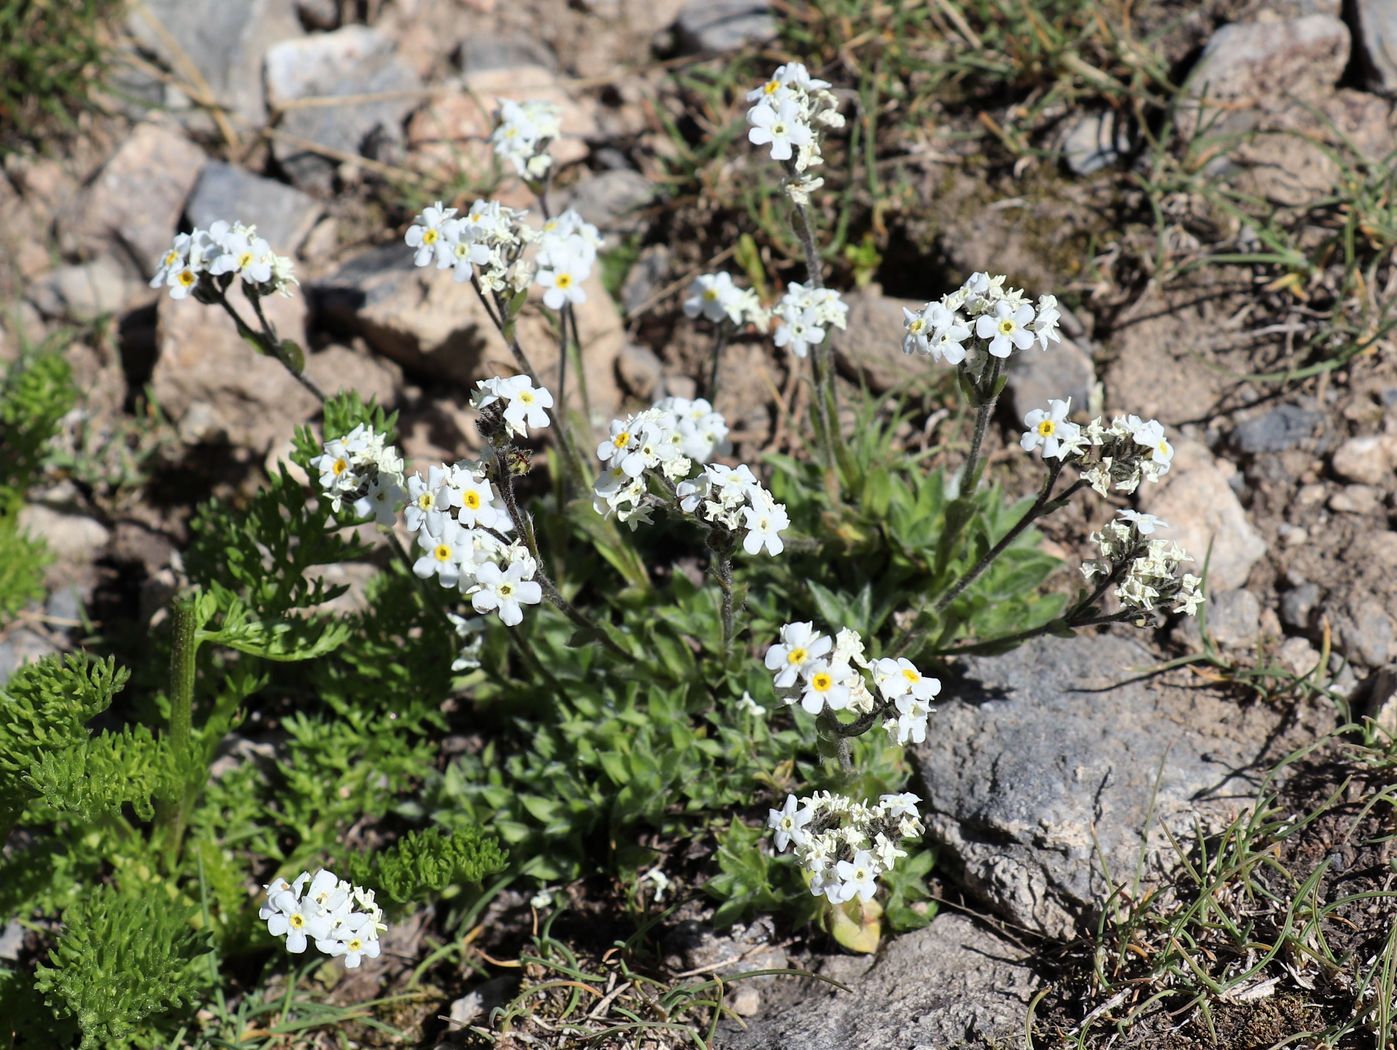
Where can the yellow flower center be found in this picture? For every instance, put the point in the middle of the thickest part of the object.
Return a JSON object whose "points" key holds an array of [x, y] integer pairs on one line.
{"points": [[1007, 326], [563, 280], [429, 236], [442, 552], [244, 260], [822, 682], [916, 326], [778, 128], [1164, 448], [911, 675], [505, 589], [622, 439], [796, 656], [339, 467], [425, 501], [1046, 428], [172, 258], [710, 294], [187, 278], [771, 87], [355, 945], [297, 921], [527, 396], [471, 500]]}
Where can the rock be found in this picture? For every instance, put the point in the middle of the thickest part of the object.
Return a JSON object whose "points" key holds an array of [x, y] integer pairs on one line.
{"points": [[1298, 656], [1365, 632], [282, 214], [11, 941], [1366, 460], [641, 372], [939, 986], [1234, 618], [871, 344], [479, 52], [130, 211], [451, 134], [717, 26], [218, 389], [430, 324], [1375, 22], [354, 61], [22, 646], [1284, 427], [75, 540], [612, 200], [1252, 66], [1055, 763], [224, 42], [83, 292], [651, 269], [1357, 499], [1063, 370], [1201, 508], [1092, 141], [474, 1007], [337, 368], [1298, 605]]}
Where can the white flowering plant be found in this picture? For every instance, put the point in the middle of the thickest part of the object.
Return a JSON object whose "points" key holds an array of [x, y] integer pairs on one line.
{"points": [[632, 635]]}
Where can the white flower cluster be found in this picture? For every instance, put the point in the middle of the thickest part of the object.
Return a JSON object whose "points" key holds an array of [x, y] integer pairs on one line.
{"points": [[1132, 449], [789, 112], [224, 250], [361, 469], [522, 133], [490, 242], [668, 439], [524, 405], [715, 298], [804, 315], [845, 845], [824, 675], [1147, 567], [461, 525], [1001, 320], [342, 919]]}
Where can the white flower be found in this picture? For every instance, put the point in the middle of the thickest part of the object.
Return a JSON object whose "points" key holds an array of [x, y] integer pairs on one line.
{"points": [[824, 688], [523, 133], [782, 127], [1051, 430], [748, 705], [526, 403], [428, 235], [1007, 329], [561, 275], [445, 550], [505, 591], [799, 648], [341, 918], [426, 497], [859, 876], [1146, 524], [789, 823], [1045, 321], [242, 253], [900, 677], [765, 520], [714, 297], [471, 494]]}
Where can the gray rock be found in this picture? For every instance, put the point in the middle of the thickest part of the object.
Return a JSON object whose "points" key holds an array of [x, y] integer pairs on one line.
{"points": [[319, 14], [474, 1007], [83, 292], [11, 941], [1298, 605], [1054, 770], [1203, 511], [224, 42], [1285, 426], [1092, 141], [1248, 66], [1364, 500], [1376, 24], [652, 268], [1063, 370], [22, 646], [1234, 618], [130, 210], [612, 201], [870, 345], [1366, 460], [1366, 632], [1298, 656], [715, 26], [354, 61], [936, 987], [480, 51], [641, 372], [282, 214]]}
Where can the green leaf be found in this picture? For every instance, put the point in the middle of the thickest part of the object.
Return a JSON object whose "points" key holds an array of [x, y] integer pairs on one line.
{"points": [[282, 640]]}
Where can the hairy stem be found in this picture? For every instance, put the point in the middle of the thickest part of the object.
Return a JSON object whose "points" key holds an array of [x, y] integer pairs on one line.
{"points": [[988, 397], [720, 343], [268, 340], [184, 651], [724, 574]]}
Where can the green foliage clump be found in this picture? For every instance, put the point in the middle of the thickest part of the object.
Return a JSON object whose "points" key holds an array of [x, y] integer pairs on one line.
{"points": [[422, 864], [125, 956], [53, 53]]}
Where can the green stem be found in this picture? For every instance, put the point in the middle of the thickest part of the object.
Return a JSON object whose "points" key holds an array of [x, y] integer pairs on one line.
{"points": [[184, 651], [268, 341], [988, 396], [724, 574], [720, 342]]}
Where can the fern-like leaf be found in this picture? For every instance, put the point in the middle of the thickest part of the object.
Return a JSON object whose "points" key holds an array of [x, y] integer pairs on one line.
{"points": [[423, 863], [108, 771]]}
